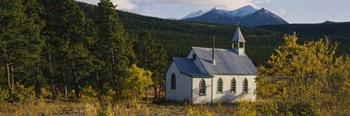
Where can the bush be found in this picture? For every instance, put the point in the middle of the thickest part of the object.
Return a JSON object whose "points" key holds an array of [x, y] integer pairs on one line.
{"points": [[89, 94], [245, 108], [267, 108], [45, 93], [105, 111], [23, 94], [304, 109], [4, 94]]}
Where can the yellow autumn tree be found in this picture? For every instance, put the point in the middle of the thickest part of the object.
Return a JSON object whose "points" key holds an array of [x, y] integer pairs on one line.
{"points": [[134, 83], [309, 71]]}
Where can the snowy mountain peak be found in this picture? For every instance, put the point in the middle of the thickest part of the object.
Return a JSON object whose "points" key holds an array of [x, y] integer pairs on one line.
{"points": [[246, 15], [243, 11], [194, 14], [220, 7]]}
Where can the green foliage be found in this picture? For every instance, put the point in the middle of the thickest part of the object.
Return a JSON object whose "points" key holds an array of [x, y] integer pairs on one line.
{"points": [[151, 56], [308, 73], [134, 83], [23, 94], [20, 28], [114, 47], [4, 94], [89, 94]]}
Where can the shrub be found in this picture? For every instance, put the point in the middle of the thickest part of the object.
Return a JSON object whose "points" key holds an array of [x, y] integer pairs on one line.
{"points": [[89, 94], [304, 109], [45, 93], [23, 94], [245, 108], [266, 108], [4, 94]]}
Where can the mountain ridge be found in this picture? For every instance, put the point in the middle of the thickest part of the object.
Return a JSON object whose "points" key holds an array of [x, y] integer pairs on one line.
{"points": [[232, 17]]}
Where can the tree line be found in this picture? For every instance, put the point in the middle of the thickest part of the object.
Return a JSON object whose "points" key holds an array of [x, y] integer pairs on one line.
{"points": [[51, 49]]}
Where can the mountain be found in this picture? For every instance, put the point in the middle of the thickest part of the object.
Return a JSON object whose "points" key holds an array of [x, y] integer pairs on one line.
{"points": [[328, 22], [262, 17], [243, 11], [246, 16], [194, 14], [179, 36]]}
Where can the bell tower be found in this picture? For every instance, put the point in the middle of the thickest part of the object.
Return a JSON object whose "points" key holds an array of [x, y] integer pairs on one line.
{"points": [[238, 42]]}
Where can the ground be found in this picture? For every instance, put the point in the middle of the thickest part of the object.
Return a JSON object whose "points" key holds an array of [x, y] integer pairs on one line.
{"points": [[91, 109]]}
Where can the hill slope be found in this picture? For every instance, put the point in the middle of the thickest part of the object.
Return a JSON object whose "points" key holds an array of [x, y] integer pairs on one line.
{"points": [[338, 32], [246, 16], [179, 36]]}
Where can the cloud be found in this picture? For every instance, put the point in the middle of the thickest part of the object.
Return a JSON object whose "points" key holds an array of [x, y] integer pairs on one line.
{"points": [[282, 11], [131, 4], [173, 7], [262, 1]]}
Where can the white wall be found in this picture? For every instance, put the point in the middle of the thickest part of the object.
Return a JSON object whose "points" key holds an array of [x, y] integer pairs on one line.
{"points": [[197, 99], [226, 95], [183, 85]]}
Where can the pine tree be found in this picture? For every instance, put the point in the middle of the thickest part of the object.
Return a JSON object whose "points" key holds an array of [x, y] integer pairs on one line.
{"points": [[114, 46], [152, 56], [20, 47], [69, 35]]}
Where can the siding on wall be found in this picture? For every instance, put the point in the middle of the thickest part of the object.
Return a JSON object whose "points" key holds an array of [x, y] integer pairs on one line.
{"points": [[226, 96], [195, 94], [183, 85]]}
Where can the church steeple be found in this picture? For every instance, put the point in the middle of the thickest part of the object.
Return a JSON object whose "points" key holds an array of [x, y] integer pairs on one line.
{"points": [[238, 42]]}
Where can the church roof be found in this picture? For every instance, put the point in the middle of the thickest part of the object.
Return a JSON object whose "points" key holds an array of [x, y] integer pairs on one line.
{"points": [[188, 67], [238, 36], [227, 61]]}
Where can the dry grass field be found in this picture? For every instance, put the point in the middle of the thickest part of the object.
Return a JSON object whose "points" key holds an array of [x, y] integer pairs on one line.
{"points": [[60, 108]]}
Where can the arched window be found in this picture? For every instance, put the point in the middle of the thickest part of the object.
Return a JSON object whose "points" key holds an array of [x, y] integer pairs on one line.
{"points": [[233, 85], [219, 85], [245, 86], [202, 88], [173, 81]]}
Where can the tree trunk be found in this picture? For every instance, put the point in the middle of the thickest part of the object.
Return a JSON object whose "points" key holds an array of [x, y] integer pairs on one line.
{"points": [[52, 86], [75, 80], [13, 80], [37, 83], [155, 94], [159, 91], [113, 65], [8, 76], [65, 83]]}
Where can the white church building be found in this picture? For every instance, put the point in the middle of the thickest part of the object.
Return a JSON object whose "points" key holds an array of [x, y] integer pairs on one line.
{"points": [[212, 75]]}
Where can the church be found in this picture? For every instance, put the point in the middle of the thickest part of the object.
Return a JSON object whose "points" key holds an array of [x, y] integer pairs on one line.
{"points": [[213, 75]]}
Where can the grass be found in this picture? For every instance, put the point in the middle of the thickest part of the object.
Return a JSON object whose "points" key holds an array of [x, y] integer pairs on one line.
{"points": [[92, 109]]}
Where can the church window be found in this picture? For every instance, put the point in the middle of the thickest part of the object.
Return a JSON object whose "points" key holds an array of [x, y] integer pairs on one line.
{"points": [[219, 85], [202, 88], [173, 81], [241, 45], [233, 85], [245, 86]]}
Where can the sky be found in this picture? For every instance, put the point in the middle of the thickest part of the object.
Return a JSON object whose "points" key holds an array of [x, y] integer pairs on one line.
{"points": [[293, 11]]}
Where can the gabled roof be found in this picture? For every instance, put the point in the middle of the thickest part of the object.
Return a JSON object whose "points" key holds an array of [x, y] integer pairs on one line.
{"points": [[238, 37], [227, 62], [188, 67]]}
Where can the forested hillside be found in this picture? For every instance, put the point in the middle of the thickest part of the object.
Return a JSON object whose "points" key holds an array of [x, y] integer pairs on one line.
{"points": [[179, 36], [339, 32]]}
